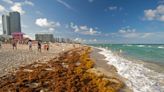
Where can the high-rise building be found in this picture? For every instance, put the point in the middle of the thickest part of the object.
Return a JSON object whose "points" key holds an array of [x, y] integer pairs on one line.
{"points": [[11, 23], [6, 24]]}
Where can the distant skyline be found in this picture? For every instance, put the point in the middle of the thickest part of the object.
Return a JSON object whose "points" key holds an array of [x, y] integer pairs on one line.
{"points": [[91, 21]]}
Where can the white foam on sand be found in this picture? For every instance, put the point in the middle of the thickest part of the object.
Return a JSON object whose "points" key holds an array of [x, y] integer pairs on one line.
{"points": [[139, 78]]}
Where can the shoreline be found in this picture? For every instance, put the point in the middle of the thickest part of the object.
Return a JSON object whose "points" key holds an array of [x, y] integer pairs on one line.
{"points": [[107, 69], [156, 67], [137, 74]]}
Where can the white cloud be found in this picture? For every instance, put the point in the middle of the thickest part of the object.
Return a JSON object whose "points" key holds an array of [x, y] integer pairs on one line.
{"points": [[131, 33], [44, 23], [155, 14], [84, 29], [65, 4], [29, 3], [150, 14], [146, 35], [17, 7], [112, 8], [8, 1], [79, 40], [2, 9], [127, 30]]}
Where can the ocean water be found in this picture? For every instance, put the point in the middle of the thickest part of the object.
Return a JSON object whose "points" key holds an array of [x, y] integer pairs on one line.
{"points": [[139, 78], [148, 53]]}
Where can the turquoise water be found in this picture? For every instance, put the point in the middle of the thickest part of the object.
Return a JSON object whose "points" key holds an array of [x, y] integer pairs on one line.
{"points": [[145, 52]]}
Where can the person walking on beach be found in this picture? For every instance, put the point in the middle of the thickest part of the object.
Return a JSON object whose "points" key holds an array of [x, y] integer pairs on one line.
{"points": [[14, 44], [46, 46], [30, 44], [0, 44], [39, 46]]}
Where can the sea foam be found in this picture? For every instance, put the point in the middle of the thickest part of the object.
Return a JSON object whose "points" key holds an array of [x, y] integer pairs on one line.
{"points": [[161, 47], [139, 78], [140, 45]]}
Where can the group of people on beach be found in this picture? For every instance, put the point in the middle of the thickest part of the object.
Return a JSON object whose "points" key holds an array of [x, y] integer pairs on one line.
{"points": [[39, 44], [30, 45]]}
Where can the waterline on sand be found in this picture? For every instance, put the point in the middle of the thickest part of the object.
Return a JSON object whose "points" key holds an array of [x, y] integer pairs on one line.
{"points": [[139, 78]]}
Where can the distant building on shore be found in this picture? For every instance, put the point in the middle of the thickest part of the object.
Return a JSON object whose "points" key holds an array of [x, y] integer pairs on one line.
{"points": [[63, 40], [11, 23], [44, 37]]}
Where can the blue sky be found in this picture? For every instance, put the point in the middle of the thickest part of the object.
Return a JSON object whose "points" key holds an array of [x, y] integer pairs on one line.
{"points": [[91, 21]]}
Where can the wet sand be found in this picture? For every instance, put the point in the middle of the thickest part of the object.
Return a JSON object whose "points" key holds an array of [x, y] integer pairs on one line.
{"points": [[108, 70]]}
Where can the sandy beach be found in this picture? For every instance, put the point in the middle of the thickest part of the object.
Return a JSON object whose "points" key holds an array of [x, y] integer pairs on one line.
{"points": [[12, 59], [72, 71]]}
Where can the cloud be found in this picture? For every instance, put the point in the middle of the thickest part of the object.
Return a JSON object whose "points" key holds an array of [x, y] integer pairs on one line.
{"points": [[130, 33], [65, 4], [84, 29], [113, 8], [79, 40], [155, 14], [8, 1], [127, 30], [44, 23], [29, 3], [17, 7], [2, 9]]}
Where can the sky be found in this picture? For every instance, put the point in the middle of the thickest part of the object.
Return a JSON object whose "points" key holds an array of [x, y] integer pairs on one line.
{"points": [[91, 21]]}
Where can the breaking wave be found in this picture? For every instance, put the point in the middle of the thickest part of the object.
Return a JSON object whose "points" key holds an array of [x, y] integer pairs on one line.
{"points": [[139, 78]]}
